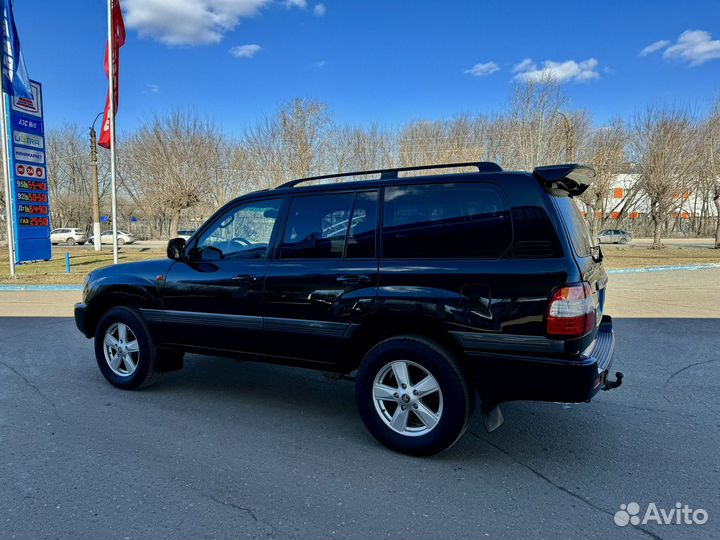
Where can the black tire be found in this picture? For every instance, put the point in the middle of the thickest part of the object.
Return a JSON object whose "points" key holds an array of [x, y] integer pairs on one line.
{"points": [[144, 374], [458, 400], [70, 241]]}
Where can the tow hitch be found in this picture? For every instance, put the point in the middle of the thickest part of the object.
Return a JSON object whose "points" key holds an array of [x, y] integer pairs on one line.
{"points": [[609, 385]]}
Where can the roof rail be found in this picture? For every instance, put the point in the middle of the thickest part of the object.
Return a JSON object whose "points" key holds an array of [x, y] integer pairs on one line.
{"points": [[385, 174]]}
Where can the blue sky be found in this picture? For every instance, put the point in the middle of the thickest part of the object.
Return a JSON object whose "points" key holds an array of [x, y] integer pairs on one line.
{"points": [[371, 60]]}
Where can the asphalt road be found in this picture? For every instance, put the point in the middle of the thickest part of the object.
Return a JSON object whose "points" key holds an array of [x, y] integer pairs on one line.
{"points": [[239, 450]]}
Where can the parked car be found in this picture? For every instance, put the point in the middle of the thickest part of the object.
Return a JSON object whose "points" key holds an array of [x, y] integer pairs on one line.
{"points": [[107, 238], [185, 234], [70, 236], [433, 289], [614, 236]]}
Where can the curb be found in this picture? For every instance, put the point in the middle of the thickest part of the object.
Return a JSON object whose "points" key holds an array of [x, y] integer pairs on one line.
{"points": [[21, 288], [663, 268]]}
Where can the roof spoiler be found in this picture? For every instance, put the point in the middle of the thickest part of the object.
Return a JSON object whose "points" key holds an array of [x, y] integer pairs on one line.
{"points": [[571, 177]]}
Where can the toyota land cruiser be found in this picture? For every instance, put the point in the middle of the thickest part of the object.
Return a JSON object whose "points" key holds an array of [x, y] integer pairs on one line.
{"points": [[429, 289]]}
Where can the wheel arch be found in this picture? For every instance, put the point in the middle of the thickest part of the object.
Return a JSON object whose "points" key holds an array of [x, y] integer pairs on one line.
{"points": [[378, 329], [130, 296]]}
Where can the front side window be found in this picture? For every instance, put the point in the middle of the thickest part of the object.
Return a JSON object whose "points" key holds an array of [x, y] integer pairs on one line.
{"points": [[243, 232], [445, 221], [317, 227]]}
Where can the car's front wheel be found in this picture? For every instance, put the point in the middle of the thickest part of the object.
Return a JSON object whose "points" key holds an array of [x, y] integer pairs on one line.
{"points": [[413, 396], [124, 349], [70, 241]]}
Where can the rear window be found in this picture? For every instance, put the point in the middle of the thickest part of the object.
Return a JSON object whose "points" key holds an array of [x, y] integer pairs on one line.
{"points": [[576, 226]]}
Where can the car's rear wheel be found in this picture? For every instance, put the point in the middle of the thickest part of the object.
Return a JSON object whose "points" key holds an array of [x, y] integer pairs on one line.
{"points": [[413, 396], [124, 349], [70, 241]]}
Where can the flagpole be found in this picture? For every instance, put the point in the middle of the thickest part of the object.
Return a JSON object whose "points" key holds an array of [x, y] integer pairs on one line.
{"points": [[7, 180], [111, 77]]}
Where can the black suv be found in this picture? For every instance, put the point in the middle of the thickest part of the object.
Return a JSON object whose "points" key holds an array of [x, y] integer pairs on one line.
{"points": [[432, 288]]}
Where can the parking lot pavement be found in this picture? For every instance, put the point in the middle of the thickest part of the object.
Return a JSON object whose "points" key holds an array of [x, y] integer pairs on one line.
{"points": [[225, 449], [683, 293]]}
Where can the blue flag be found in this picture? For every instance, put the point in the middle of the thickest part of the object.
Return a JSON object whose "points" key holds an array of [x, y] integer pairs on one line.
{"points": [[15, 77]]}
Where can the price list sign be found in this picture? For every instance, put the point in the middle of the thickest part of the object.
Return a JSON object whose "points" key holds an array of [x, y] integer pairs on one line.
{"points": [[28, 186]]}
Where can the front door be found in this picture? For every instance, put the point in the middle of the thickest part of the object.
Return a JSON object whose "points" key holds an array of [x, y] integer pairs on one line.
{"points": [[323, 280], [212, 300]]}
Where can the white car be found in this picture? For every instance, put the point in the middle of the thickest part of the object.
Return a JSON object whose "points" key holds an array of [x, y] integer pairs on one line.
{"points": [[107, 238], [68, 236]]}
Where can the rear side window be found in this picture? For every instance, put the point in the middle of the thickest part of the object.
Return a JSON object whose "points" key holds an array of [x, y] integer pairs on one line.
{"points": [[454, 220], [576, 226], [317, 227], [361, 237]]}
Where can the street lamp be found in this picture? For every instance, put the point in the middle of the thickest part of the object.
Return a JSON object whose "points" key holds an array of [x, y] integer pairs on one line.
{"points": [[95, 187]]}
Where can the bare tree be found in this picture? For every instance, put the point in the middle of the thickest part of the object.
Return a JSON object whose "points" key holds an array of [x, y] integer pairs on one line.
{"points": [[289, 144], [711, 143], [70, 176], [533, 132], [605, 152], [349, 149], [171, 164], [662, 141]]}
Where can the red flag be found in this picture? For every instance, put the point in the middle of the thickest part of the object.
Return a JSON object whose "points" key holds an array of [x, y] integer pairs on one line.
{"points": [[118, 40]]}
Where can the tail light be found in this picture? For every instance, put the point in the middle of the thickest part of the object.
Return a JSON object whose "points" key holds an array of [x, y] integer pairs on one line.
{"points": [[571, 312]]}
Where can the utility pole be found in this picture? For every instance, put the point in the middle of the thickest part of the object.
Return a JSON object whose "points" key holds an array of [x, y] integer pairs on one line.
{"points": [[95, 186], [568, 138]]}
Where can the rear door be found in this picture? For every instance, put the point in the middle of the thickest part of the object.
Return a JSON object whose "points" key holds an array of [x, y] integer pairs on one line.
{"points": [[323, 279], [586, 254]]}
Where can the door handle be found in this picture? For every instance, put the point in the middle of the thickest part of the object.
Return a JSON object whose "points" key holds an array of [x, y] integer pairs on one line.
{"points": [[245, 278], [354, 279]]}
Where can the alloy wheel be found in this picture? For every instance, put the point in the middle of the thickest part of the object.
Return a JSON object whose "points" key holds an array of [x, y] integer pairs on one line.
{"points": [[407, 398], [122, 350]]}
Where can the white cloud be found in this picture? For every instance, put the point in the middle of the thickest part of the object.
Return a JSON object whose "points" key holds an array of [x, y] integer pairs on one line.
{"points": [[245, 51], [320, 64], [559, 72], [188, 22], [151, 88], [319, 10], [302, 4], [694, 47], [524, 65], [480, 70], [655, 47]]}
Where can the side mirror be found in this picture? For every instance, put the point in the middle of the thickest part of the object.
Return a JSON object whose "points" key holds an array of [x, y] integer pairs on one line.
{"points": [[176, 249]]}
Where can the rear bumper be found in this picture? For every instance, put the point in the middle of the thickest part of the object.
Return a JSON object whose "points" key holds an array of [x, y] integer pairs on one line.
{"points": [[504, 377]]}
